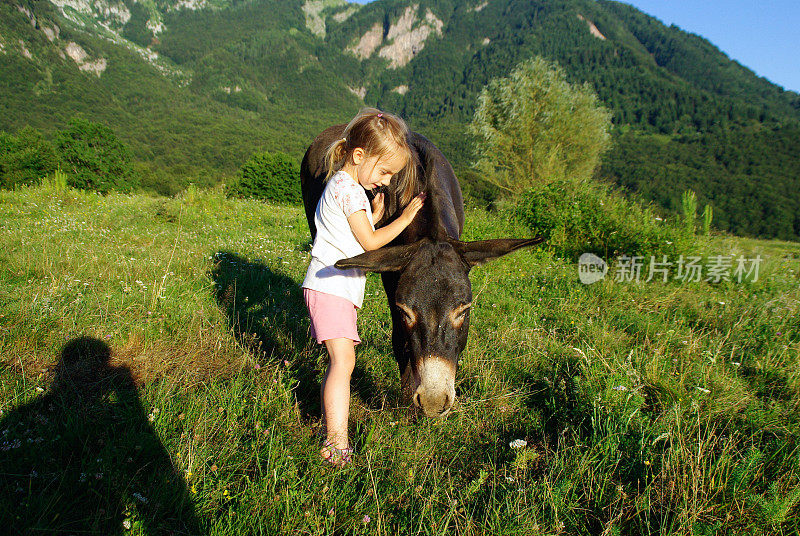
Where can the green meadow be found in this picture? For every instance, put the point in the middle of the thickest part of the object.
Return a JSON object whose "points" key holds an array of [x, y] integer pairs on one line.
{"points": [[157, 377]]}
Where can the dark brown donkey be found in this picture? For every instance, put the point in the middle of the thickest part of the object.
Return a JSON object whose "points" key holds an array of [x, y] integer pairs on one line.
{"points": [[425, 270]]}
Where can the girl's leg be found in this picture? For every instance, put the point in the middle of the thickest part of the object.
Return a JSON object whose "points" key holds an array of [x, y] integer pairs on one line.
{"points": [[335, 391]]}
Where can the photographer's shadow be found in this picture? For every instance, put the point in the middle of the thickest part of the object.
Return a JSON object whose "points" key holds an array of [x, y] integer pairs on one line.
{"points": [[83, 457]]}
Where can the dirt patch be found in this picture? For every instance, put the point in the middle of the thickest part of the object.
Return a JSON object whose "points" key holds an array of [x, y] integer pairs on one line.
{"points": [[592, 28]]}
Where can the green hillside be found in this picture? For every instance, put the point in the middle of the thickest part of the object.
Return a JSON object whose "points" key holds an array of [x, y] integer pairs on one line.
{"points": [[193, 91], [179, 132], [652, 77]]}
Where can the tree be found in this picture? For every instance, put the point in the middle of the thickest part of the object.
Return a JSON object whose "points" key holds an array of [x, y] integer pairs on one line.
{"points": [[94, 158], [268, 176], [534, 128], [25, 157]]}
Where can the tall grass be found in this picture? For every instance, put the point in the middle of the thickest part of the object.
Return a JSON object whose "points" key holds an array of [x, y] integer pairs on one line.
{"points": [[646, 408]]}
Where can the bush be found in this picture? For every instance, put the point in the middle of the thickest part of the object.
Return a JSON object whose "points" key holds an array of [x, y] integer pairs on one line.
{"points": [[270, 177], [585, 217], [25, 158], [476, 189], [94, 158]]}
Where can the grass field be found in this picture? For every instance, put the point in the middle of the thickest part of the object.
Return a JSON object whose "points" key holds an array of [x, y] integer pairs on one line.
{"points": [[157, 377]]}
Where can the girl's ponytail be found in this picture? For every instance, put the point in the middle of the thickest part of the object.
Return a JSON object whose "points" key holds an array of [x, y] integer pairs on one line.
{"points": [[378, 133], [334, 156]]}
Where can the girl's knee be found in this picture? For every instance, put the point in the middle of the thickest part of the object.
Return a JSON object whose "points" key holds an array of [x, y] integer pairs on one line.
{"points": [[342, 354], [344, 363]]}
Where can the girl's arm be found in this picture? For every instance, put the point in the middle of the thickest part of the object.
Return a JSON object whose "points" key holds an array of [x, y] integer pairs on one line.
{"points": [[370, 239]]}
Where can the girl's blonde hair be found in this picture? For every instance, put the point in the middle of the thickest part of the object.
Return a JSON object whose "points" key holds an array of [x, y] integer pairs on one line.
{"points": [[379, 134]]}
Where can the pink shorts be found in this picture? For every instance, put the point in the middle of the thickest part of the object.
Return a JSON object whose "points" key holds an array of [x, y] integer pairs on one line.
{"points": [[332, 317]]}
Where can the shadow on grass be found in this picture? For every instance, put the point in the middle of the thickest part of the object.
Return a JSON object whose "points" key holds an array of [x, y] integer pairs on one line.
{"points": [[83, 458], [266, 310]]}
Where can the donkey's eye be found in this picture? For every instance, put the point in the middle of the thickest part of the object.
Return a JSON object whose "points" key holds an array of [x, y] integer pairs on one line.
{"points": [[409, 316], [458, 315]]}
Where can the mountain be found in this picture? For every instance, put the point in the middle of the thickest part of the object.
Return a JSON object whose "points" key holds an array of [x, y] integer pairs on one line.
{"points": [[198, 119], [195, 86]]}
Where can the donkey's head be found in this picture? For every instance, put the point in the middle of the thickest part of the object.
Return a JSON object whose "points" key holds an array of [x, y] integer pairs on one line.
{"points": [[433, 301]]}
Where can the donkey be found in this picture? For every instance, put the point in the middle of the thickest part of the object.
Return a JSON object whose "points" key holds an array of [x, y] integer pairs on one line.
{"points": [[425, 270]]}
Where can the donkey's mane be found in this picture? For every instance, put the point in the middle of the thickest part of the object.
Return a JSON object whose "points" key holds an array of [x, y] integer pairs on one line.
{"points": [[433, 190]]}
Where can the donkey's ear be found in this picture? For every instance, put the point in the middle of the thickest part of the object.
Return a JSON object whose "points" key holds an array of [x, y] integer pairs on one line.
{"points": [[385, 259], [481, 251]]}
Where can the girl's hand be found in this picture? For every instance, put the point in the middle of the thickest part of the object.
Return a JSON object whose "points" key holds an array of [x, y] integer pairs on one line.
{"points": [[377, 207], [413, 207]]}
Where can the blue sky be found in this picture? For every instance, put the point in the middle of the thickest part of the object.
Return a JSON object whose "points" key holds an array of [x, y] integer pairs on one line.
{"points": [[764, 36]]}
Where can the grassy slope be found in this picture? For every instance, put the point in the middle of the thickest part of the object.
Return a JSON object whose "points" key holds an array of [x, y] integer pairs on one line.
{"points": [[607, 383]]}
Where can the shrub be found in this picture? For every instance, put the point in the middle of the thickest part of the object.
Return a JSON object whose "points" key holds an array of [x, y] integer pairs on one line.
{"points": [[580, 217], [25, 158], [268, 176], [689, 204], [94, 158]]}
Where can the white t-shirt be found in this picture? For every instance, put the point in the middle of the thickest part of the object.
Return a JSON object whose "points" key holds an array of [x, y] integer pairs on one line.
{"points": [[335, 240]]}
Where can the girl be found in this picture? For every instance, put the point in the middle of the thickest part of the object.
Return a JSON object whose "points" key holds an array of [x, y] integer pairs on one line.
{"points": [[372, 150]]}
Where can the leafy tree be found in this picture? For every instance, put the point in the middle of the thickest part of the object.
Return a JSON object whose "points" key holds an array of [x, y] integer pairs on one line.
{"points": [[534, 128], [268, 176], [25, 157], [94, 158]]}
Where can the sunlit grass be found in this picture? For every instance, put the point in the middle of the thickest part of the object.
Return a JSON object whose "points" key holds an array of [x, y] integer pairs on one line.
{"points": [[646, 408]]}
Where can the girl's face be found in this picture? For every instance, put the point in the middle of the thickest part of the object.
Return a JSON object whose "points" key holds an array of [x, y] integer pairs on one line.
{"points": [[375, 171]]}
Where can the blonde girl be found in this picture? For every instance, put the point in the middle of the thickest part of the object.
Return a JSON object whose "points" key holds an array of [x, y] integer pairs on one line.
{"points": [[372, 150]]}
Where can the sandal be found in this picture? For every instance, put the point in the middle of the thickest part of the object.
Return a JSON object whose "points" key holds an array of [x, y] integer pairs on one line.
{"points": [[338, 457]]}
